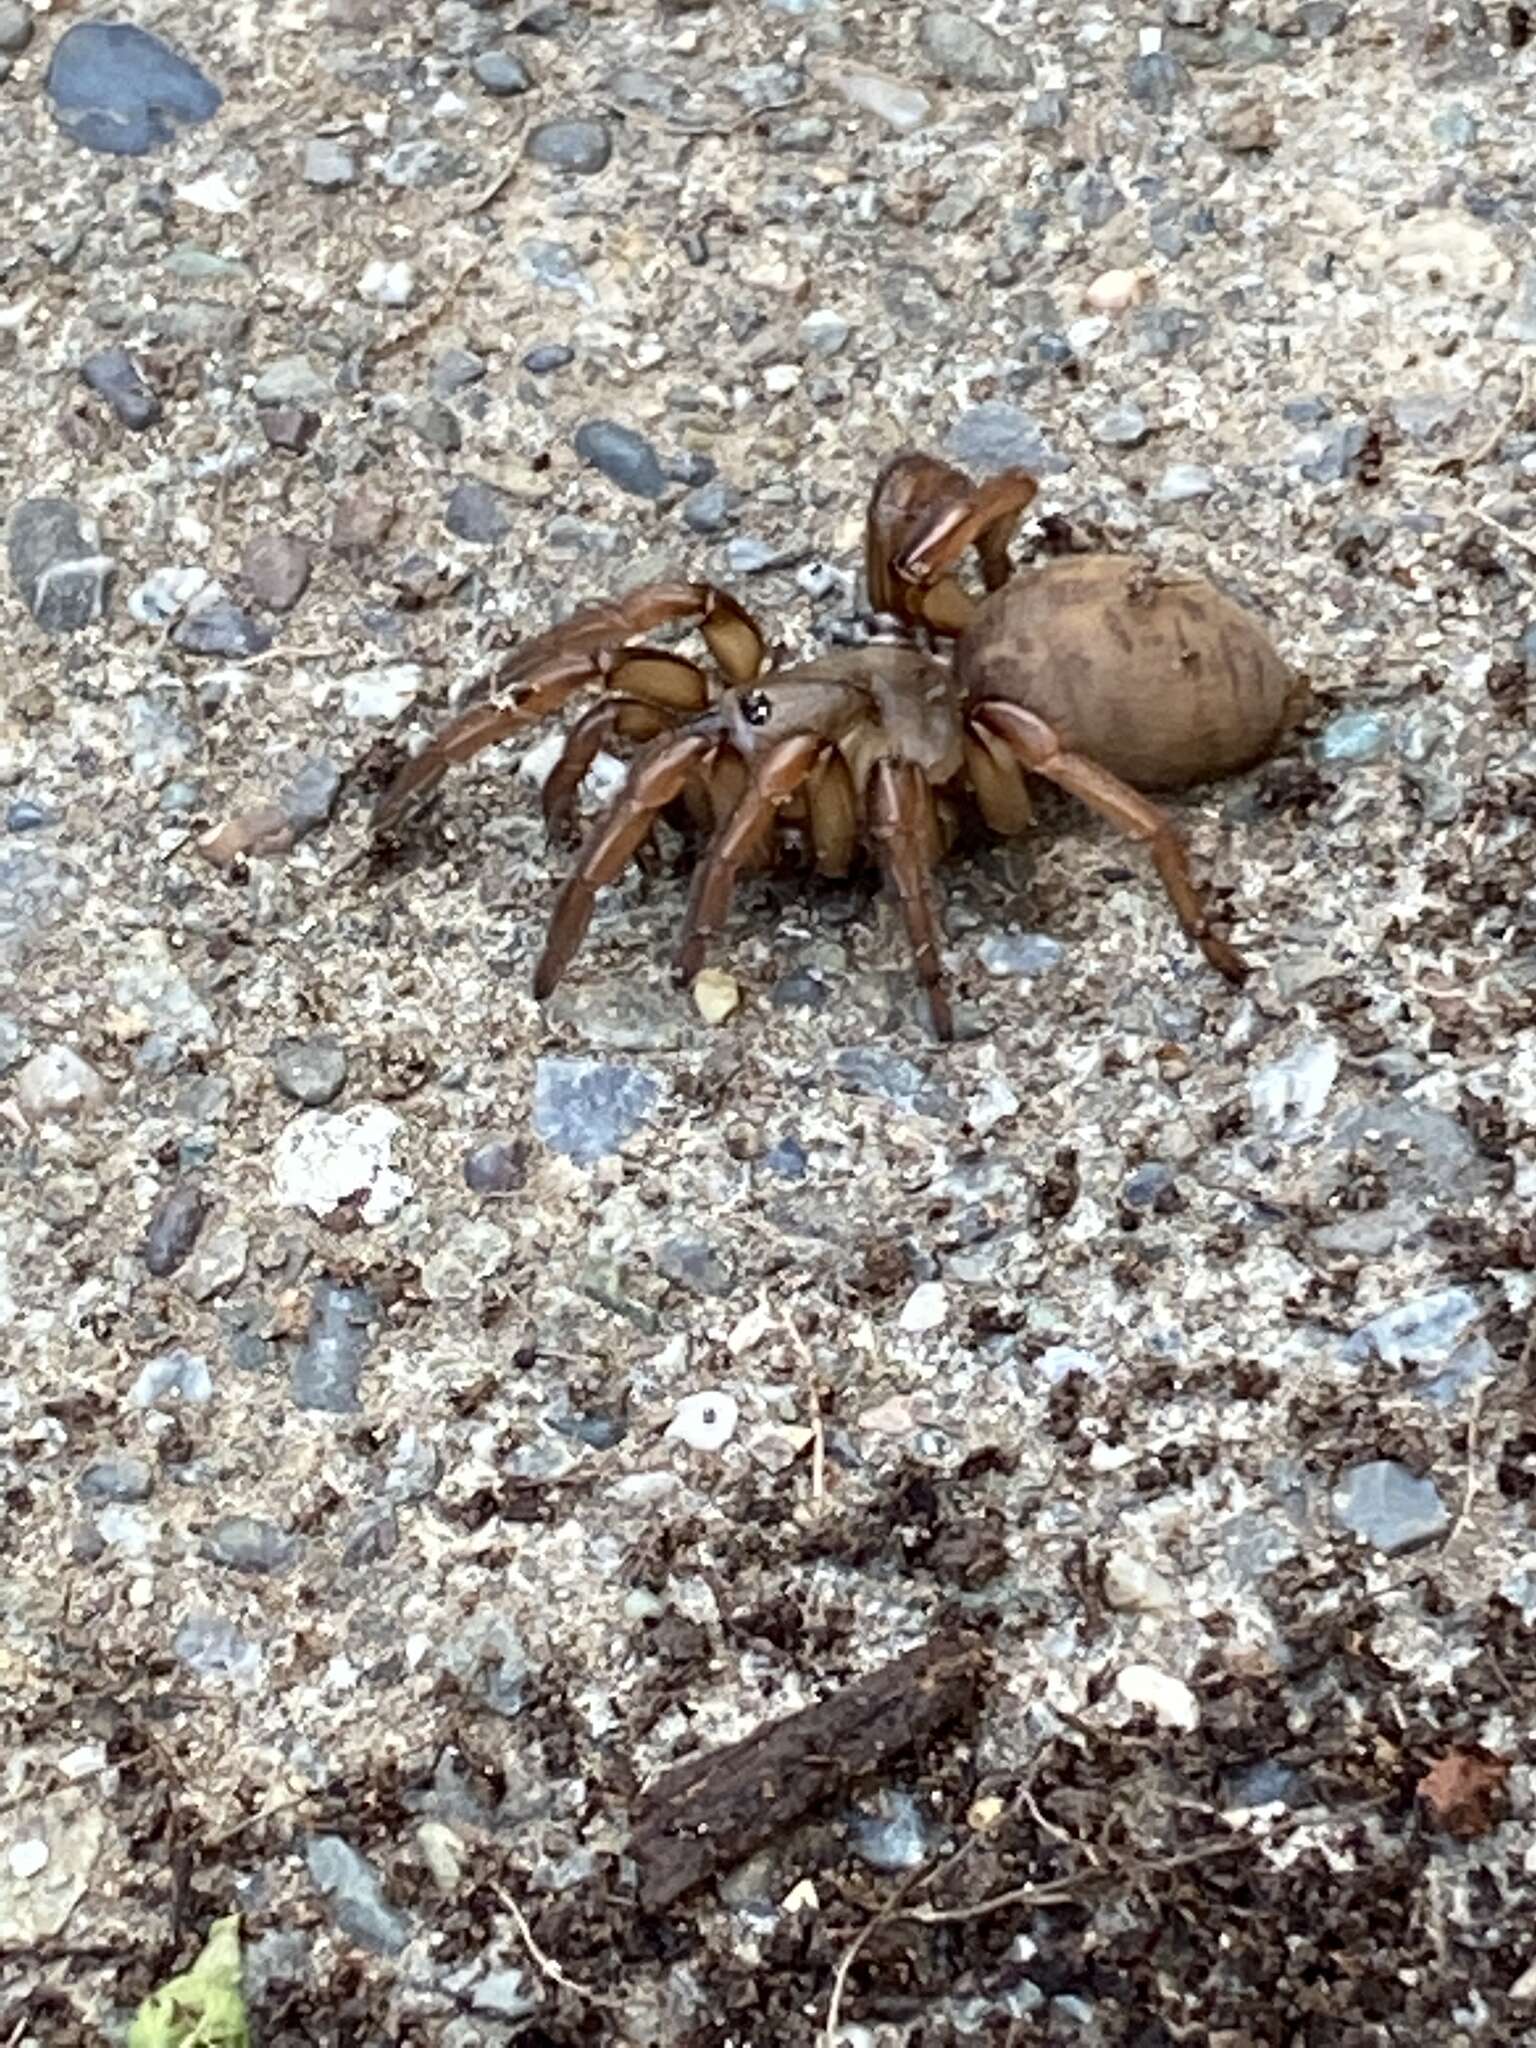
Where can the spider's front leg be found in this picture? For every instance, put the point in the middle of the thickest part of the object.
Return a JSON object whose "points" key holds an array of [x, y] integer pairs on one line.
{"points": [[923, 515]]}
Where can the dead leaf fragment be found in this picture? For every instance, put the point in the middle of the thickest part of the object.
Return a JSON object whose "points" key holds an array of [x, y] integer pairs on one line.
{"points": [[1463, 1792]]}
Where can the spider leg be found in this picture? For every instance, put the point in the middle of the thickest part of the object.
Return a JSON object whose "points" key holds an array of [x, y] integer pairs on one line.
{"points": [[659, 774], [739, 835], [905, 830], [546, 673], [1039, 748], [659, 688], [923, 515]]}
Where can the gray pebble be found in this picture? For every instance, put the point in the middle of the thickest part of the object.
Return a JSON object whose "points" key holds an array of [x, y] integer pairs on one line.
{"points": [[690, 466], [787, 1159], [555, 265], [1123, 426], [1339, 457], [586, 1109], [436, 424], [327, 1370], [455, 369], [352, 1889], [895, 1838], [1020, 953], [213, 624], [867, 1070], [1181, 482], [597, 1432], [501, 74], [996, 435], [1385, 1505], [696, 1265], [329, 166], [310, 1070], [215, 1648], [26, 816], [549, 355], [458, 29], [801, 989], [58, 572], [173, 1228], [421, 164], [15, 27], [245, 1543], [1046, 112], [958, 46], [623, 456], [748, 555], [291, 380], [275, 570], [1320, 19], [179, 1375], [1454, 129], [1150, 1187], [289, 427], [1355, 737], [14, 1042], [309, 800], [374, 1536], [582, 147], [477, 512], [823, 332], [117, 1479], [802, 135], [497, 1166], [1156, 79], [113, 375], [117, 89]]}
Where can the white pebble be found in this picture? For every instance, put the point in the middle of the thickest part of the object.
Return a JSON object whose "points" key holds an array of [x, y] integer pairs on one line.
{"points": [[902, 107], [57, 1082], [705, 1422], [387, 284], [28, 1858], [1131, 1587], [926, 1307], [1288, 1097], [1168, 1699], [1112, 291], [781, 377], [322, 1160], [381, 692]]}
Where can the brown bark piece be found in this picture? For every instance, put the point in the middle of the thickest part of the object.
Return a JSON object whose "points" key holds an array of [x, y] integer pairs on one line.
{"points": [[714, 1811]]}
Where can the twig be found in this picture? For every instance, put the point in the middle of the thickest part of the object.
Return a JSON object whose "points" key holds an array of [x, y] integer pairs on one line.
{"points": [[546, 1964], [813, 1400], [1063, 1889], [1471, 457], [851, 1954], [1469, 1488]]}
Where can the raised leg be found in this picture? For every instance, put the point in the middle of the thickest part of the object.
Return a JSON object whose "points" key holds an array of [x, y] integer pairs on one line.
{"points": [[1037, 746], [546, 673], [658, 775], [923, 515], [904, 830], [775, 779]]}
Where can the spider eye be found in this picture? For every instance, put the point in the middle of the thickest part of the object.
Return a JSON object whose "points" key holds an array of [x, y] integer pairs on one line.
{"points": [[757, 707]]}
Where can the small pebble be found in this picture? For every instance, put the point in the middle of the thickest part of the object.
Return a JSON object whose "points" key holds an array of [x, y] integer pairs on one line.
{"points": [[896, 1838], [312, 1071], [996, 435], [328, 165], [899, 106], [586, 1109], [57, 1082], [960, 47], [214, 624], [925, 1308], [1355, 738], [26, 816], [57, 566], [289, 427], [1168, 1699], [496, 1167], [322, 1160], [360, 523], [124, 1479], [291, 380], [705, 1422], [114, 375], [387, 284], [1182, 482], [1115, 291], [455, 370], [28, 1858], [716, 994], [549, 355], [327, 1369], [15, 27], [178, 1375], [1156, 78], [1123, 426], [1289, 1096], [1131, 1587], [352, 1888], [246, 1544], [787, 1158], [582, 147], [478, 513], [274, 568], [1020, 953], [174, 1227], [711, 509], [625, 457], [1390, 1508], [117, 89], [501, 74]]}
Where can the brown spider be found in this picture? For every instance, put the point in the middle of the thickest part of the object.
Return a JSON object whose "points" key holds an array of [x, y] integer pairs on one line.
{"points": [[1088, 672]]}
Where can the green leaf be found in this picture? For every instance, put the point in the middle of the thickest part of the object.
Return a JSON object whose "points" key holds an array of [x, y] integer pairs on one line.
{"points": [[202, 2008]]}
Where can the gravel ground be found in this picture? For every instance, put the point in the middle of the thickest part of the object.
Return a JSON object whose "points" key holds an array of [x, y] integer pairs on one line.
{"points": [[426, 1416]]}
